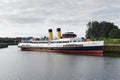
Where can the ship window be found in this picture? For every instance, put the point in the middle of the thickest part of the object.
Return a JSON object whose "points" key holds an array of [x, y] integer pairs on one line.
{"points": [[42, 42], [74, 41], [78, 40], [61, 42]]}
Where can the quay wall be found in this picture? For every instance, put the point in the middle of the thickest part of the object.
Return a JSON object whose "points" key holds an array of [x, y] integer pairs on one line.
{"points": [[112, 50], [3, 45]]}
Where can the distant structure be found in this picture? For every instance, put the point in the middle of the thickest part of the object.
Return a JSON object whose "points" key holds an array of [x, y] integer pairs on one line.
{"points": [[69, 35]]}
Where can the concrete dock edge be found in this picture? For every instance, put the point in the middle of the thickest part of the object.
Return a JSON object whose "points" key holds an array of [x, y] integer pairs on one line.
{"points": [[112, 50]]}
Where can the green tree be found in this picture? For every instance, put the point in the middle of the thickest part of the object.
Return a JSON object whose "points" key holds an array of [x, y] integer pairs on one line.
{"points": [[92, 30], [102, 29], [114, 33]]}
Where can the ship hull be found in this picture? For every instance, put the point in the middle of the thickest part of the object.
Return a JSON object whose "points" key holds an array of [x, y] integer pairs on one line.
{"points": [[94, 50]]}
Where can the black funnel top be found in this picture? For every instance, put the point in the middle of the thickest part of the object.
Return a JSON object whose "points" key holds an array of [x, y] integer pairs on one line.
{"points": [[49, 30], [58, 29]]}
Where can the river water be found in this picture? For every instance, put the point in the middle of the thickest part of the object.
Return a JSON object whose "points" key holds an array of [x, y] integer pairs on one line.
{"points": [[26, 65]]}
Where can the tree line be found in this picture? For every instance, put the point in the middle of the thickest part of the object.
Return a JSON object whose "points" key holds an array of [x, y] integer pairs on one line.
{"points": [[105, 29]]}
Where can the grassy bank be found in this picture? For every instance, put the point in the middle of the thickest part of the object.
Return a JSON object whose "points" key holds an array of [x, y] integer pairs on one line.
{"points": [[109, 41]]}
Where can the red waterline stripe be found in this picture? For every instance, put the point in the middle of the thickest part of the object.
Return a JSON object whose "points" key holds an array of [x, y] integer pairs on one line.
{"points": [[84, 52]]}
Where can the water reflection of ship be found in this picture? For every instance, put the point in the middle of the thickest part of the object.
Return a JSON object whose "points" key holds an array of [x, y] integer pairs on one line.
{"points": [[66, 43]]}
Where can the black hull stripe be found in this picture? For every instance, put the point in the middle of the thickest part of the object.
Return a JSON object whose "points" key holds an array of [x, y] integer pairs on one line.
{"points": [[69, 48]]}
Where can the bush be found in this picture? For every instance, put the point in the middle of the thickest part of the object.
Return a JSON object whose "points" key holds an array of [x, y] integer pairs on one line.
{"points": [[109, 40]]}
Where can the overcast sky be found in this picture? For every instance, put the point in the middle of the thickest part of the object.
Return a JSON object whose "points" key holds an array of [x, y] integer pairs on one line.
{"points": [[35, 17]]}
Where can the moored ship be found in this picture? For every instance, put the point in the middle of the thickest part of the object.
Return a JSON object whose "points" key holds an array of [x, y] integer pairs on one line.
{"points": [[67, 43]]}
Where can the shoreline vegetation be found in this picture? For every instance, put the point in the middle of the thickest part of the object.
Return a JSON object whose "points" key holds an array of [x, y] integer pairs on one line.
{"points": [[109, 41], [5, 41]]}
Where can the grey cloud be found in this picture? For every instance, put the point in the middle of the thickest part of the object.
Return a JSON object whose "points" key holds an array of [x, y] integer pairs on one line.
{"points": [[46, 9], [26, 20], [58, 12]]}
